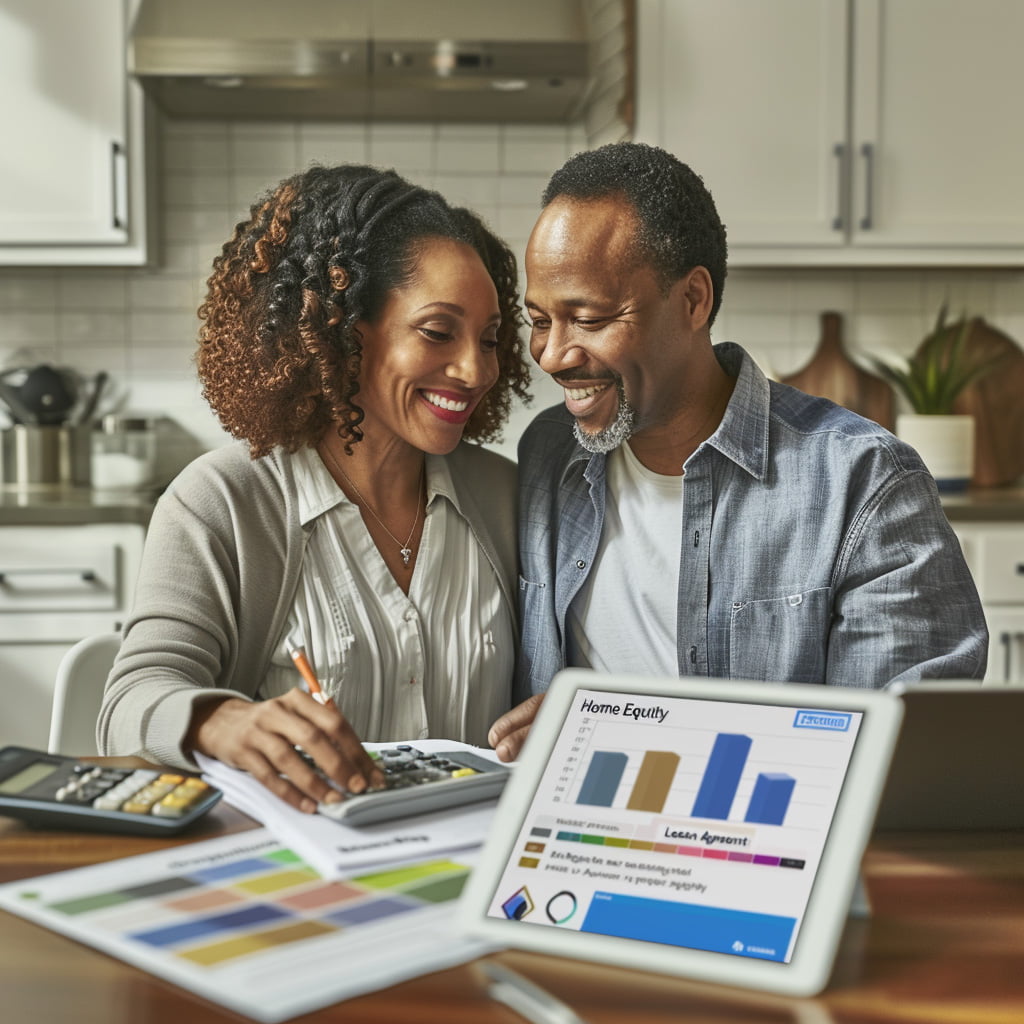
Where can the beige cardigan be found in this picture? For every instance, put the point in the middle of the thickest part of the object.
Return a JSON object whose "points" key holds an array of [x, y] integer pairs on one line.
{"points": [[218, 577]]}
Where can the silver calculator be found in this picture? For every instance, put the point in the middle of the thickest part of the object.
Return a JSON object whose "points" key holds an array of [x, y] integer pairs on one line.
{"points": [[416, 783]]}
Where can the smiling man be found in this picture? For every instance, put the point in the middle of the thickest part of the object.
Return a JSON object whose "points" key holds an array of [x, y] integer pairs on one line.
{"points": [[680, 513]]}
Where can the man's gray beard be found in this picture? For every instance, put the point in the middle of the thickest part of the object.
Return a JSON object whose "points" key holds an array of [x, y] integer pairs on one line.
{"points": [[619, 430]]}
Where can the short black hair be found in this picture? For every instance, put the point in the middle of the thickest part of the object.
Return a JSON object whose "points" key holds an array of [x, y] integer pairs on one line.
{"points": [[679, 227]]}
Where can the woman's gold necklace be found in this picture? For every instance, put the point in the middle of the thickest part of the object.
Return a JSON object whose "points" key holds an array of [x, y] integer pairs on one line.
{"points": [[406, 548]]}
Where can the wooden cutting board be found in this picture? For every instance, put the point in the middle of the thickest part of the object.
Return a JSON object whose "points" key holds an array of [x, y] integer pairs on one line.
{"points": [[997, 404], [831, 373]]}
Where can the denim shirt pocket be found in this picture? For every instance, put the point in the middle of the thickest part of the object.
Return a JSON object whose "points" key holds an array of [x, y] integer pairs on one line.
{"points": [[783, 639]]}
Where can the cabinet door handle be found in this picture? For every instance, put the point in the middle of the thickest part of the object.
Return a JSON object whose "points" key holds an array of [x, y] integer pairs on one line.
{"points": [[839, 152], [867, 151], [1020, 568], [118, 185]]}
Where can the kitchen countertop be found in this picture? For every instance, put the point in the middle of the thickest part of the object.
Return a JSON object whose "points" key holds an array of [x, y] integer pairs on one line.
{"points": [[74, 506], [986, 505]]}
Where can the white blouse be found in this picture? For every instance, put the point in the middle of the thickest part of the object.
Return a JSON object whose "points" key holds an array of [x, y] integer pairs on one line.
{"points": [[435, 663]]}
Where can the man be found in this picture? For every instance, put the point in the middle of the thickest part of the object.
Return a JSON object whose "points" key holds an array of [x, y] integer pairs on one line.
{"points": [[681, 514]]}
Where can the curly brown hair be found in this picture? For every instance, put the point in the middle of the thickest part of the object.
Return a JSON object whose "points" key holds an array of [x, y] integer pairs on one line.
{"points": [[279, 352]]}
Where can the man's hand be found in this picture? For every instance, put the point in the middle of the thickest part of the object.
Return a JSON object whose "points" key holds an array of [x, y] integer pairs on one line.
{"points": [[261, 738], [508, 734]]}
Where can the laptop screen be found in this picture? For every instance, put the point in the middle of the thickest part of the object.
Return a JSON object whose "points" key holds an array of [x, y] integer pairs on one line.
{"points": [[688, 822]]}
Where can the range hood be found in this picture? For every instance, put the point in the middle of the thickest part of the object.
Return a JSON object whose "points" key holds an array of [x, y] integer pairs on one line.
{"points": [[445, 60]]}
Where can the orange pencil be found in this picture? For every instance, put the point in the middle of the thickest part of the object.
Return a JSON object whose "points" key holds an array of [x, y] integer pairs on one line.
{"points": [[306, 671]]}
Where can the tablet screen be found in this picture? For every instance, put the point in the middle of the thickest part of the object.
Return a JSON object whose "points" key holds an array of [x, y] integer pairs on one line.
{"points": [[688, 822]]}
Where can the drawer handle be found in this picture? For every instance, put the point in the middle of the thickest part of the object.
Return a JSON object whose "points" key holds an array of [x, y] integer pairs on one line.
{"points": [[85, 575]]}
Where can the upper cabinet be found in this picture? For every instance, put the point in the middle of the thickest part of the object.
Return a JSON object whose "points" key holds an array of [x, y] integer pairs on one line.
{"points": [[845, 132], [72, 181]]}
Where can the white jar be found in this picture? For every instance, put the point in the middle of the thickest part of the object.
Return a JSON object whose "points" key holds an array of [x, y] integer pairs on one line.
{"points": [[124, 452]]}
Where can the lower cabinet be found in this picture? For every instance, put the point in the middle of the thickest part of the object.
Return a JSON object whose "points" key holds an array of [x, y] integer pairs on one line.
{"points": [[58, 584], [995, 554]]}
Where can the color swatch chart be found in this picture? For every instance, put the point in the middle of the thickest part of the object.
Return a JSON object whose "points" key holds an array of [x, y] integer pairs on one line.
{"points": [[248, 924]]}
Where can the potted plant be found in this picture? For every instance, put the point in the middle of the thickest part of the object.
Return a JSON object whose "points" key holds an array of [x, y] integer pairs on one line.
{"points": [[932, 379]]}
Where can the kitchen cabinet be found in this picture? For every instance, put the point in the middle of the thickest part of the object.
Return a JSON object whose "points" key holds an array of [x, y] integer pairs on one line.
{"points": [[995, 554], [73, 186], [58, 584], [844, 132]]}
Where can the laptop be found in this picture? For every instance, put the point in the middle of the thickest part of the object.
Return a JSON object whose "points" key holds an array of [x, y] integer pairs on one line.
{"points": [[710, 829], [958, 762]]}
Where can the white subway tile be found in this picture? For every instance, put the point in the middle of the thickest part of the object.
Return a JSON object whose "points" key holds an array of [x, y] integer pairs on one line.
{"points": [[35, 329], [161, 292], [332, 144], [197, 151], [467, 149], [26, 289], [89, 327], [468, 189], [889, 291], [196, 190], [757, 291], [85, 289], [148, 330], [269, 148], [408, 148]]}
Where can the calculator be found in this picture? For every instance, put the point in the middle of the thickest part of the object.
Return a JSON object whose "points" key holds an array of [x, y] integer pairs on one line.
{"points": [[416, 783], [54, 791]]}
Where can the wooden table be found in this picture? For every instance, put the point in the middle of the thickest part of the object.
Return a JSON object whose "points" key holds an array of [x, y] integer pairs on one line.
{"points": [[945, 945]]}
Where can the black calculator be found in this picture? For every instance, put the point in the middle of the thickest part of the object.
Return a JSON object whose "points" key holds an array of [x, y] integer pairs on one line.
{"points": [[416, 783], [54, 791]]}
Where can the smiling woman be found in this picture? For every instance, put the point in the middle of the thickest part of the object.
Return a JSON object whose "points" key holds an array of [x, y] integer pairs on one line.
{"points": [[357, 332]]}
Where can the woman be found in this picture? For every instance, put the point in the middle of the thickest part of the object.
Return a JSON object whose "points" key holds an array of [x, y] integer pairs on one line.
{"points": [[357, 330]]}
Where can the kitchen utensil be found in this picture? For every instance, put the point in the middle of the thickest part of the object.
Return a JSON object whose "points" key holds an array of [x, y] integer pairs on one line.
{"points": [[19, 412], [92, 400], [44, 458], [48, 393], [832, 374], [997, 403]]}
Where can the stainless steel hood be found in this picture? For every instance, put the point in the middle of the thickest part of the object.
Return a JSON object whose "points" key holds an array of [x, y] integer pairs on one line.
{"points": [[445, 60]]}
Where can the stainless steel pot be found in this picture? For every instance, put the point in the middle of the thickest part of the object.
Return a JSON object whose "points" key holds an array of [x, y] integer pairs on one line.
{"points": [[45, 458]]}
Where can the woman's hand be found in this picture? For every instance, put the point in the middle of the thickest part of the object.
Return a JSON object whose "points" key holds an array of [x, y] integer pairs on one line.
{"points": [[261, 738], [508, 734]]}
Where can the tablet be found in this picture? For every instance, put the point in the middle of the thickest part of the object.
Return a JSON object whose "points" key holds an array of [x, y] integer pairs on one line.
{"points": [[958, 762], [711, 829]]}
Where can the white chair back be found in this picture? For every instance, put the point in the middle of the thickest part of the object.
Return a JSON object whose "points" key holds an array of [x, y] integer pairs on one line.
{"points": [[81, 676]]}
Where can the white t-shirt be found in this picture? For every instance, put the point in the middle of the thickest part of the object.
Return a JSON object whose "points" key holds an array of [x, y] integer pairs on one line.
{"points": [[624, 617], [436, 662]]}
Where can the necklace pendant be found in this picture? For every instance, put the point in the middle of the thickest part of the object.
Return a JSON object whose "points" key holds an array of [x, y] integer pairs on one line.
{"points": [[406, 555]]}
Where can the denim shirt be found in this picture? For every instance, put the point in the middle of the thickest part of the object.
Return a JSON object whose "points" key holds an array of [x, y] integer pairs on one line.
{"points": [[814, 548]]}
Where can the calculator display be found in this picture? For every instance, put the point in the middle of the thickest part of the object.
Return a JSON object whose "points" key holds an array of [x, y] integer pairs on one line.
{"points": [[28, 776]]}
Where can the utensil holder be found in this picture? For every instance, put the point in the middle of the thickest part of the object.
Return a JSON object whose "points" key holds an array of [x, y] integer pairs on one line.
{"points": [[45, 458]]}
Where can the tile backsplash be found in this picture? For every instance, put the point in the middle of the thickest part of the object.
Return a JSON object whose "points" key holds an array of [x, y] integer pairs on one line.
{"points": [[140, 324]]}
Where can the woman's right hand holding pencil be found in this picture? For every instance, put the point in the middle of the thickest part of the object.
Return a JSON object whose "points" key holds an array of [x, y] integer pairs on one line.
{"points": [[261, 738]]}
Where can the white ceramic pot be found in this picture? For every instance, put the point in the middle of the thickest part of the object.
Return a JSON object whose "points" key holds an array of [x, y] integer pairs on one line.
{"points": [[945, 444]]}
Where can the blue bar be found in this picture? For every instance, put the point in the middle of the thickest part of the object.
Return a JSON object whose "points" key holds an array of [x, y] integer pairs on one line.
{"points": [[722, 776], [207, 927], [601, 782], [761, 936], [770, 799]]}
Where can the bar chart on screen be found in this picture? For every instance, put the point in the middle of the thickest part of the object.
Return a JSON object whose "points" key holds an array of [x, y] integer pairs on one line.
{"points": [[757, 771]]}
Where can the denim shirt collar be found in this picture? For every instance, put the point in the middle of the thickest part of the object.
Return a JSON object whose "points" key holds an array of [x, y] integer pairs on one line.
{"points": [[742, 436]]}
